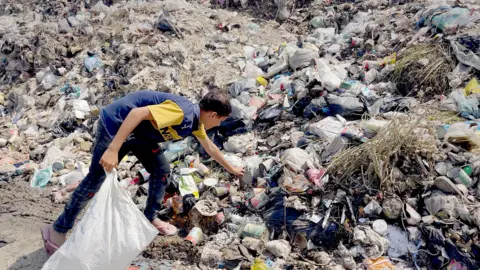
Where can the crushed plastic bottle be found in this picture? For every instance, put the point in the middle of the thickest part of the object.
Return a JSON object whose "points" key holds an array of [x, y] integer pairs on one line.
{"points": [[92, 63]]}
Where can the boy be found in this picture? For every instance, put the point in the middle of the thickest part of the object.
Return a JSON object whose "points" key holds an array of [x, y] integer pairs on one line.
{"points": [[136, 123]]}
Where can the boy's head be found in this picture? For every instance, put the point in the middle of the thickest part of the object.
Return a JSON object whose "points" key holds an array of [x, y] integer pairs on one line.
{"points": [[214, 108]]}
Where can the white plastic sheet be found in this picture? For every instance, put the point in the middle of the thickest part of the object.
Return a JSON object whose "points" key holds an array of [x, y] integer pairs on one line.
{"points": [[110, 235]]}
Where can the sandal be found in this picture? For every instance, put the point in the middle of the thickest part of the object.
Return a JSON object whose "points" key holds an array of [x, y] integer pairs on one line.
{"points": [[49, 246], [166, 229]]}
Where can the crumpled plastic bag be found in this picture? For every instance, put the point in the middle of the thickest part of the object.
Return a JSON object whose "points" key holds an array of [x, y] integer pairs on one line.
{"points": [[242, 85], [345, 106], [326, 75], [467, 106], [443, 206], [473, 87], [295, 159], [234, 160], [240, 111], [302, 58], [327, 128], [110, 235], [374, 245], [279, 248], [242, 143], [461, 133], [465, 56]]}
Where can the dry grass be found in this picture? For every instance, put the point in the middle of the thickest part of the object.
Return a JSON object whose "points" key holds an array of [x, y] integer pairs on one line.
{"points": [[377, 154], [412, 78]]}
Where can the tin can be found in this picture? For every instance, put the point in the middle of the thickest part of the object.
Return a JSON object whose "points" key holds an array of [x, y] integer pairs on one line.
{"points": [[265, 166], [257, 231], [144, 176], [202, 169], [258, 201], [221, 191], [195, 235]]}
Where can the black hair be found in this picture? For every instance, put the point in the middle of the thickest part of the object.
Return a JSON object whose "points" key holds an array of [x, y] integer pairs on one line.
{"points": [[216, 101]]}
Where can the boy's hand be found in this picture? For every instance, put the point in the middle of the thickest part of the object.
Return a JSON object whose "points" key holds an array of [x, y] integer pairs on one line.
{"points": [[237, 171], [109, 159]]}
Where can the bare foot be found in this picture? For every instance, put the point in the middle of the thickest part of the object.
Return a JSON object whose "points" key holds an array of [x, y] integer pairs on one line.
{"points": [[57, 238]]}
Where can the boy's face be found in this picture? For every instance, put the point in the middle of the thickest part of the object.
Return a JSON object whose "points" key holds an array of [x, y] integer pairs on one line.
{"points": [[211, 119]]}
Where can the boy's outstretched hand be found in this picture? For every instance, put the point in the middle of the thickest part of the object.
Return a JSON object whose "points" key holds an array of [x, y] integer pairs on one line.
{"points": [[109, 159], [237, 171]]}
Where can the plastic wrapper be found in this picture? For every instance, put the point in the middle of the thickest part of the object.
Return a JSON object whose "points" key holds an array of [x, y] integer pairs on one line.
{"points": [[345, 106], [327, 128], [241, 85], [252, 71], [92, 63], [240, 111], [302, 58], [271, 113], [462, 134]]}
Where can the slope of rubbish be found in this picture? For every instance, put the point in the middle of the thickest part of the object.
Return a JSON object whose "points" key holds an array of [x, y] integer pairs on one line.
{"points": [[356, 122]]}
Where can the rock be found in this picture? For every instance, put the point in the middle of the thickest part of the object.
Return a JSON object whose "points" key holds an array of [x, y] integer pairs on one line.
{"points": [[73, 22], [446, 185], [85, 146], [62, 71], [413, 216], [88, 31], [424, 62], [64, 26], [392, 208]]}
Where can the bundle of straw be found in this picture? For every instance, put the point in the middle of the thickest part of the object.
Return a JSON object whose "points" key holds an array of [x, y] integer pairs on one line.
{"points": [[376, 154], [413, 77]]}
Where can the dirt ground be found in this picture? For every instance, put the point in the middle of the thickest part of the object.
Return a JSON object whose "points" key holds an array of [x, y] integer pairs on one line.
{"points": [[23, 211]]}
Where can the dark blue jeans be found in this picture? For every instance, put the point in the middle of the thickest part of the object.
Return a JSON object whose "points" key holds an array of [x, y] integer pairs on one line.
{"points": [[148, 153]]}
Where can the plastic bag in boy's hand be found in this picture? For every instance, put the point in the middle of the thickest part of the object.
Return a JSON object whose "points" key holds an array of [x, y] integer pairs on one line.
{"points": [[110, 235]]}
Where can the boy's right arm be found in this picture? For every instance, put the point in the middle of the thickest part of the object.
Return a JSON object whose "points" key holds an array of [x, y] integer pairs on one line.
{"points": [[109, 159]]}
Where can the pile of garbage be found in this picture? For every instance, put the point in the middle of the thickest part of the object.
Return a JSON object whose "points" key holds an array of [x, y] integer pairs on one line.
{"points": [[359, 138]]}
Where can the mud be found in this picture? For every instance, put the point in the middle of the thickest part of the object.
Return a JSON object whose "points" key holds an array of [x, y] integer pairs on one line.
{"points": [[172, 248]]}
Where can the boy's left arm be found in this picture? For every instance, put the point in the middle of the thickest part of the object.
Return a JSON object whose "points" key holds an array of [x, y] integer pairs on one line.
{"points": [[215, 153]]}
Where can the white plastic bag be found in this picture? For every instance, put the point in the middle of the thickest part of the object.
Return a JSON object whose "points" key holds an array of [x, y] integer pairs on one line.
{"points": [[110, 235]]}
